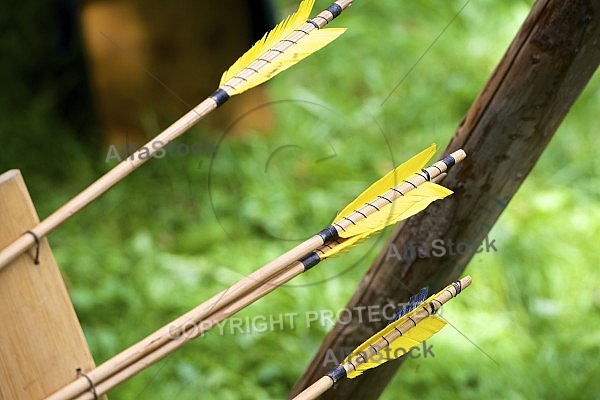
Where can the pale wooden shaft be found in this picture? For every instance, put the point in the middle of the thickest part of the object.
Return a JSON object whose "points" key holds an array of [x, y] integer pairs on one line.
{"points": [[193, 332], [439, 178], [107, 181], [316, 389], [131, 163], [212, 320], [191, 318]]}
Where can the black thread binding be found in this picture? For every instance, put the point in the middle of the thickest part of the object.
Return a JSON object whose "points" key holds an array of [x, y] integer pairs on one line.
{"points": [[358, 212], [334, 9], [410, 183], [433, 310], [323, 18], [313, 23], [440, 303], [424, 177], [457, 287], [337, 373], [92, 386], [364, 357], [328, 234], [397, 191], [348, 219], [36, 259], [449, 161], [371, 206], [426, 173], [339, 226], [219, 96], [383, 197], [310, 260]]}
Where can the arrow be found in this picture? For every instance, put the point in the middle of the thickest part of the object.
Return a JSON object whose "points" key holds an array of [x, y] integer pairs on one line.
{"points": [[405, 333], [289, 42], [385, 200]]}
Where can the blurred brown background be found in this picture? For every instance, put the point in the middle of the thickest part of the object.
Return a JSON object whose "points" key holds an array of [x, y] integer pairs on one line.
{"points": [[151, 61]]}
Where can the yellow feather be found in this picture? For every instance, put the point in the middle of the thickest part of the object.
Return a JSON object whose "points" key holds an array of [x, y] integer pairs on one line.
{"points": [[385, 331], [413, 337], [343, 245], [310, 43], [403, 207], [281, 30], [390, 180]]}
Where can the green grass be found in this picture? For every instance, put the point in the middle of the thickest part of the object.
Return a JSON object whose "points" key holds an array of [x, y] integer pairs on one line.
{"points": [[180, 230]]}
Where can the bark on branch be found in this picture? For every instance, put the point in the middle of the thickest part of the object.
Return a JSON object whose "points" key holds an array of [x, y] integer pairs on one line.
{"points": [[507, 128]]}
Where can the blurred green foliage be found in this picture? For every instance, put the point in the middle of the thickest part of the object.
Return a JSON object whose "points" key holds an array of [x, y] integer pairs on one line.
{"points": [[182, 229]]}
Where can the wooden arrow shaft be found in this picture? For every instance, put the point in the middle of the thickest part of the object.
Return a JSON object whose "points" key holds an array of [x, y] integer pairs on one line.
{"points": [[130, 164], [194, 317], [153, 345], [193, 332], [425, 310], [107, 181]]}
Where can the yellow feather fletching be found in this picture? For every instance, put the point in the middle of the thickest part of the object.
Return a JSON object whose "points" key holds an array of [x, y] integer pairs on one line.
{"points": [[385, 331], [413, 337], [309, 44], [281, 30], [306, 46], [403, 207], [390, 180], [343, 245], [402, 345]]}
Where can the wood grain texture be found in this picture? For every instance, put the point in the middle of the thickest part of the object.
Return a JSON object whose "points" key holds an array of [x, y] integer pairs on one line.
{"points": [[507, 128], [41, 341]]}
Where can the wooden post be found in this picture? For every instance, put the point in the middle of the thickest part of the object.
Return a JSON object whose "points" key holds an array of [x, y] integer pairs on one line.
{"points": [[41, 341], [507, 128]]}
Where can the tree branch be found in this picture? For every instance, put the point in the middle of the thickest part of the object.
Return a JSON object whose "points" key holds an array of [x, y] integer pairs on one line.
{"points": [[507, 128]]}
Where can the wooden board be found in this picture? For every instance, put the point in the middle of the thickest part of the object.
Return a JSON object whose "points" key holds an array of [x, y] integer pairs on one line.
{"points": [[41, 341]]}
